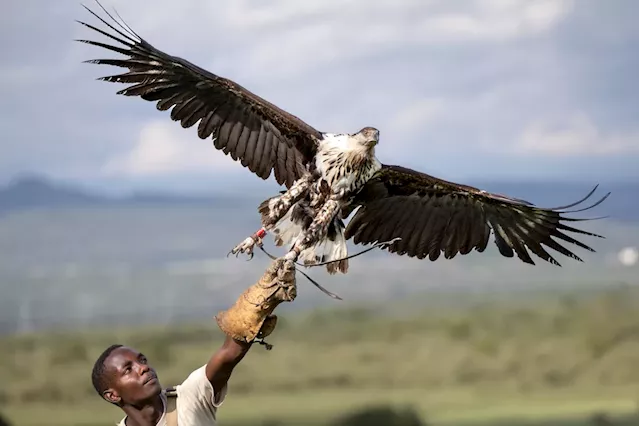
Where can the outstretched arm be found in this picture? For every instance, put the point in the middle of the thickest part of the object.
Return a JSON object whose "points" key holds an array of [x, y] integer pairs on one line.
{"points": [[223, 361], [250, 318]]}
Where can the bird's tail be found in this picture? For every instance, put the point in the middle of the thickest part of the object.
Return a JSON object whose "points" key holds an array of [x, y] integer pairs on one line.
{"points": [[332, 247]]}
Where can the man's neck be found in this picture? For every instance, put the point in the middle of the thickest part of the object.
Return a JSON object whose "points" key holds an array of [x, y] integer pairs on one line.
{"points": [[145, 415]]}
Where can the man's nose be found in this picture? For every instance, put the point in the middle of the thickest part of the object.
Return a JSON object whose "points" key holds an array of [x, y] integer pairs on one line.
{"points": [[143, 368]]}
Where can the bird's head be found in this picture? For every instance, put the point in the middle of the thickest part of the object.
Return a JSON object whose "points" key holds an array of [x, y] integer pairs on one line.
{"points": [[368, 136]]}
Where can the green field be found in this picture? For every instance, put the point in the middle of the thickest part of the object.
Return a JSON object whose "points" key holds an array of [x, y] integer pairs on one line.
{"points": [[543, 359]]}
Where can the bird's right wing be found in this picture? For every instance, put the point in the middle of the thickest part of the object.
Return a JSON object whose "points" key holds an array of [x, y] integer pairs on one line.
{"points": [[243, 125], [433, 217]]}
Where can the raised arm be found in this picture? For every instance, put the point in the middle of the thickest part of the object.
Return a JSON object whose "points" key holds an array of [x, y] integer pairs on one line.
{"points": [[250, 319]]}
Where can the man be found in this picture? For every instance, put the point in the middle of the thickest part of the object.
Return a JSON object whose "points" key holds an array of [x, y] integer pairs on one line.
{"points": [[124, 377]]}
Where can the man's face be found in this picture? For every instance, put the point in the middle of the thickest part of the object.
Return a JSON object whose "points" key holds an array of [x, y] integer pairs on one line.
{"points": [[131, 380]]}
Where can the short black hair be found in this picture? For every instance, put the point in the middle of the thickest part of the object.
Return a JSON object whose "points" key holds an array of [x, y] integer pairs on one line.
{"points": [[97, 374]]}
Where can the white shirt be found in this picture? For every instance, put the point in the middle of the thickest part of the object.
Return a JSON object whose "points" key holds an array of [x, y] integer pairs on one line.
{"points": [[196, 403]]}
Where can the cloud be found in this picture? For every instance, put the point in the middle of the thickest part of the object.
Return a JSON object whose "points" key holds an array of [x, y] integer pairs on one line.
{"points": [[575, 135], [418, 113], [445, 82], [496, 20], [288, 37], [321, 33], [164, 147]]}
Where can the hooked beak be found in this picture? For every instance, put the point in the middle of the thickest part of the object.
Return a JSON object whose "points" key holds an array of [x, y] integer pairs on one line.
{"points": [[372, 143]]}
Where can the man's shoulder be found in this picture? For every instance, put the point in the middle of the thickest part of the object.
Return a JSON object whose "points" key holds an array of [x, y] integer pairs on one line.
{"points": [[197, 389], [197, 377], [199, 373]]}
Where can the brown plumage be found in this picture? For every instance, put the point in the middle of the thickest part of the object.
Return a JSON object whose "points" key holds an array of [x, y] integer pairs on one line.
{"points": [[243, 125], [434, 217]]}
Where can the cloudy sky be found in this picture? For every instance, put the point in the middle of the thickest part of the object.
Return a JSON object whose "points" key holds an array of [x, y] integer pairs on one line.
{"points": [[469, 90]]}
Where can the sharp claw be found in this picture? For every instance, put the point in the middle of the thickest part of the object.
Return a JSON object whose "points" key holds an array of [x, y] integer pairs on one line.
{"points": [[246, 247]]}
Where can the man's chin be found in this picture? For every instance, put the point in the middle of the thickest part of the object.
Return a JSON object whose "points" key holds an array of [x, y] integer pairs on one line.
{"points": [[157, 387], [153, 387]]}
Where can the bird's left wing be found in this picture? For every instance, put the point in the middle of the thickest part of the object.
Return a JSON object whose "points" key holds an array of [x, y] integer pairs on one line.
{"points": [[263, 137], [433, 216]]}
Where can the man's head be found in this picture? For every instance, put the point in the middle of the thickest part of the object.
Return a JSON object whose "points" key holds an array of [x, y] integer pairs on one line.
{"points": [[121, 375]]}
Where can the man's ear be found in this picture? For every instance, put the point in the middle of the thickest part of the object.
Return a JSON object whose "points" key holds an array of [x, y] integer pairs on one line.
{"points": [[112, 396]]}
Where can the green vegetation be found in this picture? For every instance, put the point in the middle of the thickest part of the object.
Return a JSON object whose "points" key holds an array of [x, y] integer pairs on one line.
{"points": [[522, 361]]}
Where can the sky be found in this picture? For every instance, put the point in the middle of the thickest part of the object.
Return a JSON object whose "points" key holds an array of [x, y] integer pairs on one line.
{"points": [[466, 90]]}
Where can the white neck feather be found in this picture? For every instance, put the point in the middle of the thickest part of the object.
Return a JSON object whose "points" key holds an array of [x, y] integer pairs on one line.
{"points": [[336, 152]]}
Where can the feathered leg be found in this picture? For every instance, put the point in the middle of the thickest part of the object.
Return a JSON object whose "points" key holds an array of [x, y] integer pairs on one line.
{"points": [[316, 231], [271, 211]]}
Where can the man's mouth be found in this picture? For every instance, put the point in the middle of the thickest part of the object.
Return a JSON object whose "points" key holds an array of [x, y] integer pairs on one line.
{"points": [[152, 379]]}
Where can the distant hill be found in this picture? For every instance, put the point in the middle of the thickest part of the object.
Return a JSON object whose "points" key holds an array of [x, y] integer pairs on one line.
{"points": [[29, 192], [34, 191]]}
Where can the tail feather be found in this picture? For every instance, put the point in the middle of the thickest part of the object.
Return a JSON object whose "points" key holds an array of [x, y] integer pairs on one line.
{"points": [[327, 251], [286, 231], [333, 247], [336, 249]]}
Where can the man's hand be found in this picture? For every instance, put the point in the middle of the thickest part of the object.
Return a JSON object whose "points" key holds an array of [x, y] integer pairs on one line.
{"points": [[251, 315]]}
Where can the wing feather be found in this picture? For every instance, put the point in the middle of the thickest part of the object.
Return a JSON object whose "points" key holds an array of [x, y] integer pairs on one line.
{"points": [[434, 217], [231, 115]]}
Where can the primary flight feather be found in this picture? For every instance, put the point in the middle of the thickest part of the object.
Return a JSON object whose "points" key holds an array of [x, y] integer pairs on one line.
{"points": [[328, 176]]}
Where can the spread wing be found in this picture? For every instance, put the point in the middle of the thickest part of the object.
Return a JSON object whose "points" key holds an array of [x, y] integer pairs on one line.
{"points": [[248, 128], [433, 216]]}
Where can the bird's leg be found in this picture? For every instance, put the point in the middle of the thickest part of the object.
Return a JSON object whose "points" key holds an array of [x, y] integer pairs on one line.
{"points": [[249, 243], [271, 211], [317, 229]]}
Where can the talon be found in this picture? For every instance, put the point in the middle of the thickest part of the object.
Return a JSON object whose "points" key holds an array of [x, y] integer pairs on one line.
{"points": [[246, 247]]}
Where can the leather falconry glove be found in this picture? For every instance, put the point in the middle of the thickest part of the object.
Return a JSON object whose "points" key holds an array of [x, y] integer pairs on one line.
{"points": [[250, 318]]}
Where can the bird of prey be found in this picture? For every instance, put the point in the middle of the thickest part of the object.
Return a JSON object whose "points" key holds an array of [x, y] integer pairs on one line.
{"points": [[329, 176]]}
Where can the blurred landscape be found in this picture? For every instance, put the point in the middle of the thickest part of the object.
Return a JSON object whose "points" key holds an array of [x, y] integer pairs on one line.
{"points": [[479, 339]]}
